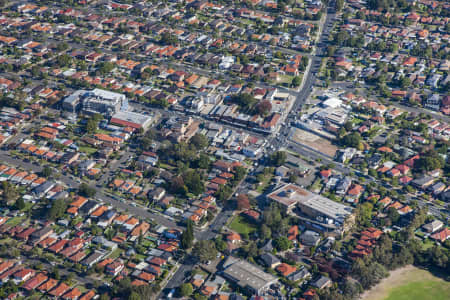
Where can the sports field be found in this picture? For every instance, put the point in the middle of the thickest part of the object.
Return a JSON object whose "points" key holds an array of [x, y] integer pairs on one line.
{"points": [[410, 283]]}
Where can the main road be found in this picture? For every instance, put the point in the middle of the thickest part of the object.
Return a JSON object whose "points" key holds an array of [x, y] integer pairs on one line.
{"points": [[309, 77], [303, 94]]}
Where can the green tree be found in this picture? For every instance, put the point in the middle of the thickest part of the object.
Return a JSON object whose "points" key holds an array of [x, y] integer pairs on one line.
{"points": [[63, 60], [428, 161], [56, 273], [331, 50], [105, 67], [203, 161], [278, 158], [198, 296], [186, 289], [282, 243], [348, 126], [91, 126], [223, 193], [364, 213], [244, 100], [265, 232], [393, 215], [199, 141], [239, 174], [438, 257], [134, 296], [168, 39], [221, 245], [20, 204], [146, 143], [251, 250], [296, 81], [373, 173], [46, 172], [292, 178], [177, 186], [351, 140], [57, 209], [85, 190], [187, 237], [9, 193], [193, 182], [340, 4], [405, 82], [205, 250]]}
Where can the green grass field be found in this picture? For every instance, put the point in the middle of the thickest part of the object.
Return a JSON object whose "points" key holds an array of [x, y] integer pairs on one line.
{"points": [[423, 290], [240, 225], [410, 283]]}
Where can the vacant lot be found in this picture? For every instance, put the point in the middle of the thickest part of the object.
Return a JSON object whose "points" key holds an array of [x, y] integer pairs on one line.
{"points": [[410, 283], [314, 141]]}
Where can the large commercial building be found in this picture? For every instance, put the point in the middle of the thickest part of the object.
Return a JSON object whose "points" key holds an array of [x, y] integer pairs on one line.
{"points": [[248, 276], [72, 103], [103, 102], [131, 119], [319, 209], [95, 101]]}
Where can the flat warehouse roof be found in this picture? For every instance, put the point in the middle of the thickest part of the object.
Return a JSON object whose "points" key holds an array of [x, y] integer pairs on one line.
{"points": [[247, 274], [132, 117], [291, 194], [328, 207]]}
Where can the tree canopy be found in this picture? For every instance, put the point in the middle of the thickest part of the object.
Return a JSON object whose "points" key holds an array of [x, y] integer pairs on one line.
{"points": [[244, 100], [85, 190], [168, 39], [351, 140], [264, 108], [278, 158], [296, 81], [186, 289], [187, 237], [57, 209], [428, 161], [199, 141], [9, 193], [46, 172], [282, 243], [205, 250]]}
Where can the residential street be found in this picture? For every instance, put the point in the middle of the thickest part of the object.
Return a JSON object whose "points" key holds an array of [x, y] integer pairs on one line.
{"points": [[123, 206]]}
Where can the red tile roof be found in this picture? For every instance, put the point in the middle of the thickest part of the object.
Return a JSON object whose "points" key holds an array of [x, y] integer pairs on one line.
{"points": [[285, 269], [442, 235]]}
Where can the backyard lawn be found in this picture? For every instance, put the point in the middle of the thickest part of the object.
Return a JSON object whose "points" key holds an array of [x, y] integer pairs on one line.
{"points": [[241, 226], [87, 150], [116, 253], [285, 79], [16, 221], [427, 244]]}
